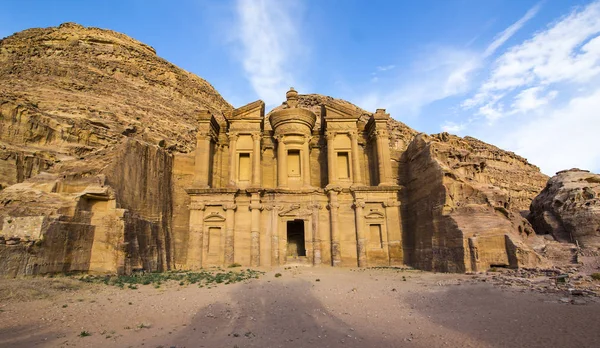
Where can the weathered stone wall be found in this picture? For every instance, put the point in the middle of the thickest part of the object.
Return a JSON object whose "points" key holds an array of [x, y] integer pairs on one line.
{"points": [[454, 219], [66, 247], [141, 177]]}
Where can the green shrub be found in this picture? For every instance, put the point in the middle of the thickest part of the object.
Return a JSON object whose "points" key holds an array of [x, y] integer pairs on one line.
{"points": [[596, 276]]}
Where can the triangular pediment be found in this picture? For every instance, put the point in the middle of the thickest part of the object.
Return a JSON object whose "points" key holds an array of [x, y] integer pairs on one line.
{"points": [[254, 110]]}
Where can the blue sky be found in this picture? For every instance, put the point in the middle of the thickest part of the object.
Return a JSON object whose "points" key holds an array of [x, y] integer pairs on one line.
{"points": [[522, 75]]}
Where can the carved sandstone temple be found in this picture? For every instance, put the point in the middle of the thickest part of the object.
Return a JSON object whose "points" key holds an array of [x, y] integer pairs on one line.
{"points": [[294, 187]]}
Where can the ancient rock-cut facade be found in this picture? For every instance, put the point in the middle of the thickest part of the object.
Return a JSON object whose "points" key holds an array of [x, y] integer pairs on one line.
{"points": [[108, 165], [296, 186]]}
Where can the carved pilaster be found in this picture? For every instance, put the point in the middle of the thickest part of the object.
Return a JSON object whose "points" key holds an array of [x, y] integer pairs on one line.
{"points": [[356, 174], [256, 137], [306, 161], [274, 209], [361, 250], [255, 207], [333, 206], [316, 236], [229, 234], [282, 174], [196, 236], [232, 158], [331, 159]]}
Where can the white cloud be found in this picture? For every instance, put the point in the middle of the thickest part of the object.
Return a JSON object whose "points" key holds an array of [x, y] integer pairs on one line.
{"points": [[385, 68], [452, 127], [562, 138], [510, 31], [550, 84], [567, 52], [443, 73], [530, 99], [270, 46]]}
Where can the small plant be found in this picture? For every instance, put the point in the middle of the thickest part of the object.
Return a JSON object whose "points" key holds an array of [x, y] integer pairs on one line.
{"points": [[234, 265], [493, 269], [84, 333], [143, 326], [317, 280], [65, 305], [596, 276], [132, 286], [277, 275]]}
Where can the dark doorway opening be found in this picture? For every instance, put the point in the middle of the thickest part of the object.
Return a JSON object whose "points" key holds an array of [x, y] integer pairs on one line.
{"points": [[295, 238]]}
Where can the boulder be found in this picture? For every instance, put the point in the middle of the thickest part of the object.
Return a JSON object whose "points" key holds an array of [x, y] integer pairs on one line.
{"points": [[568, 208]]}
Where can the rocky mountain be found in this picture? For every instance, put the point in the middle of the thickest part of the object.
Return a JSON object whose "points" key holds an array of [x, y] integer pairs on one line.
{"points": [[97, 131], [87, 109]]}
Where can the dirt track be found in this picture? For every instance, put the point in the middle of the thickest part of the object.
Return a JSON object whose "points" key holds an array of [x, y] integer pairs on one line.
{"points": [[305, 307]]}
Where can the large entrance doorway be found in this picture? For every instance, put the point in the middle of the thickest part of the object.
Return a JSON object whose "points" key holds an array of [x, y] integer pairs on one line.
{"points": [[295, 238]]}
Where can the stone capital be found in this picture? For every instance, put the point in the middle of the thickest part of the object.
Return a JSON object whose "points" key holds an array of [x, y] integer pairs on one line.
{"points": [[333, 205], [233, 136], [315, 206], [254, 206], [229, 206], [391, 203], [256, 136], [359, 203], [270, 207], [330, 135], [197, 206], [203, 135]]}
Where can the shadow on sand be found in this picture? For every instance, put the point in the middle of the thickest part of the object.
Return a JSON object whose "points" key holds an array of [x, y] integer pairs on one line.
{"points": [[274, 315]]}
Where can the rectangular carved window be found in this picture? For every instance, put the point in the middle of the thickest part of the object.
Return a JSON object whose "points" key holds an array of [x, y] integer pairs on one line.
{"points": [[245, 167], [343, 165], [375, 238], [293, 163]]}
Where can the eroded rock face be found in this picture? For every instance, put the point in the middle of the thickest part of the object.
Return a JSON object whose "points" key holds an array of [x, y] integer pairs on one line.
{"points": [[90, 120], [568, 208], [462, 205]]}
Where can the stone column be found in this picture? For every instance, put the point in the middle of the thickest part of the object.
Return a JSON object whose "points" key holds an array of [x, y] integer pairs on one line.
{"points": [[215, 172], [256, 160], [336, 257], [255, 208], [394, 234], [229, 234], [282, 174], [195, 242], [202, 159], [380, 160], [383, 158], [331, 159], [232, 159], [316, 237], [356, 175], [274, 209], [361, 250], [306, 161], [387, 163]]}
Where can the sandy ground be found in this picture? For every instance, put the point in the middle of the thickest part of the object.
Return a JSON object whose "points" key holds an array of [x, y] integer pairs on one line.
{"points": [[305, 307]]}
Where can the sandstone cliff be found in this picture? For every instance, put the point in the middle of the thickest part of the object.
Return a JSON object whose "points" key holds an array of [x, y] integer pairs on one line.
{"points": [[568, 209], [462, 205], [99, 115]]}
